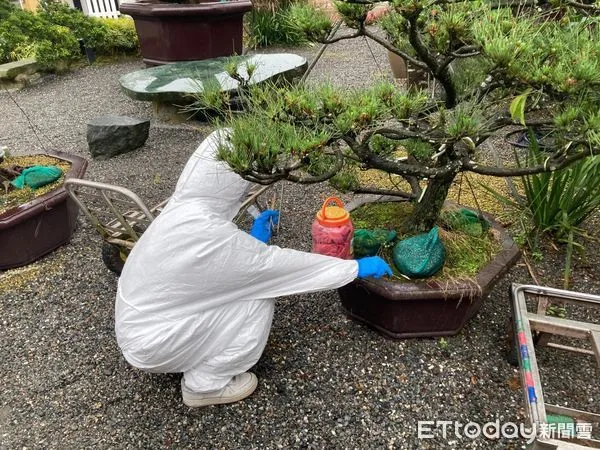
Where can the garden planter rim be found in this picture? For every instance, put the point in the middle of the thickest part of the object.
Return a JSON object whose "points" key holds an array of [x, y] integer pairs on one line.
{"points": [[161, 9], [50, 199]]}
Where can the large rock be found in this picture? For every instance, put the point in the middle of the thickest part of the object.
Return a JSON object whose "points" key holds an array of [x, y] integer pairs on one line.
{"points": [[17, 74], [109, 136], [176, 83]]}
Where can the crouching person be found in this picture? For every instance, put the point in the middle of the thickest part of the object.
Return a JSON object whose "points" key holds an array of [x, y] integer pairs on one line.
{"points": [[197, 294]]}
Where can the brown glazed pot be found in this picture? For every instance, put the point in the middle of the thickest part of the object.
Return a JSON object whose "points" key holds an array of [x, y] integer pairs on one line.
{"points": [[34, 229], [171, 32], [426, 308]]}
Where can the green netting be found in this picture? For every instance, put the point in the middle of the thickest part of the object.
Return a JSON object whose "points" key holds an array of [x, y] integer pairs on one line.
{"points": [[466, 220], [556, 418], [37, 176], [368, 242], [420, 256]]}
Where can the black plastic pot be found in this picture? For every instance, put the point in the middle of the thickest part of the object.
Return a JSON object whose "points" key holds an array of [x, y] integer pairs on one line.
{"points": [[34, 229], [426, 308]]}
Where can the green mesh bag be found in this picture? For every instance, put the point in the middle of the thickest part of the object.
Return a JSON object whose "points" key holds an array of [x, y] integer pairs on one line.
{"points": [[368, 242], [37, 176], [420, 256], [466, 220]]}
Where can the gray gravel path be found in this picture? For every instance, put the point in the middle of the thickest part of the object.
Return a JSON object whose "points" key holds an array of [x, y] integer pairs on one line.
{"points": [[325, 381]]}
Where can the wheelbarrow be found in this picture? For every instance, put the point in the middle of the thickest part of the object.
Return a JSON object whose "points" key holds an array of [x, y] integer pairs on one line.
{"points": [[121, 217]]}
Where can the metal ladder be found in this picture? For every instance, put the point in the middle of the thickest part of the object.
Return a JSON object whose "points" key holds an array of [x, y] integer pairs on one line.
{"points": [[525, 324]]}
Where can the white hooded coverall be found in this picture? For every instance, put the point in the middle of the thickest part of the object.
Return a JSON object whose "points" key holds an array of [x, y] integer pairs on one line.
{"points": [[197, 294]]}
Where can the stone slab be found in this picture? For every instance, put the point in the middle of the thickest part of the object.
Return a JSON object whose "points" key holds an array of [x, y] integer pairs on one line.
{"points": [[11, 70], [174, 83], [109, 136]]}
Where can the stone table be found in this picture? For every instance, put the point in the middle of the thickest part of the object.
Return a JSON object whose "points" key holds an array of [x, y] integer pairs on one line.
{"points": [[176, 84]]}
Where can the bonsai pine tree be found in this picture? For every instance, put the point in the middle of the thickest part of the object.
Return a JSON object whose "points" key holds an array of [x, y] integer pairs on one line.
{"points": [[495, 64]]}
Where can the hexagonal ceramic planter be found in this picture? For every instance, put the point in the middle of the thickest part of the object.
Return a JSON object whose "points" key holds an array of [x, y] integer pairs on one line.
{"points": [[426, 308]]}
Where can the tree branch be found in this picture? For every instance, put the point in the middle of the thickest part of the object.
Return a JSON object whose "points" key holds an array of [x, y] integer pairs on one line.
{"points": [[391, 192], [549, 166], [397, 134], [363, 2], [441, 74], [373, 161], [393, 49], [358, 33], [339, 164], [578, 5], [412, 180], [466, 51], [494, 4], [404, 170], [486, 86]]}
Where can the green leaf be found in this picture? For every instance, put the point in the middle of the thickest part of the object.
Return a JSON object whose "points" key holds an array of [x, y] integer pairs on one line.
{"points": [[517, 107]]}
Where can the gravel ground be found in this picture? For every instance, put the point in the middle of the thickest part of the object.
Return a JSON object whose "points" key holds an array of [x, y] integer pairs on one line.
{"points": [[325, 381]]}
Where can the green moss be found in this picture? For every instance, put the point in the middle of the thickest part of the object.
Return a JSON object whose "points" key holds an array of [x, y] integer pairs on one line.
{"points": [[390, 216], [465, 254]]}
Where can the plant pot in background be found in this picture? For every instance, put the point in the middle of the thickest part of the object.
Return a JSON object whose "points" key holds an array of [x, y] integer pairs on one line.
{"points": [[171, 32], [398, 65], [35, 228], [426, 308], [401, 69]]}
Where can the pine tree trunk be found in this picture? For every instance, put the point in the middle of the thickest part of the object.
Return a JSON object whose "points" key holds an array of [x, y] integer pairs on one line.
{"points": [[426, 212]]}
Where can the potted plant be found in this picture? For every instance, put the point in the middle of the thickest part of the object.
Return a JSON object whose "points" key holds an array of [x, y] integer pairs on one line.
{"points": [[171, 30], [35, 222], [496, 67]]}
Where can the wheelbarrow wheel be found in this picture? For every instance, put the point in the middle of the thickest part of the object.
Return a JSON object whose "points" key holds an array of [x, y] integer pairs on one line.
{"points": [[512, 349], [512, 356], [112, 257]]}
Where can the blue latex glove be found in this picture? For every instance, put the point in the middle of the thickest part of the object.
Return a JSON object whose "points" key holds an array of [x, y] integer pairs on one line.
{"points": [[373, 266], [261, 228]]}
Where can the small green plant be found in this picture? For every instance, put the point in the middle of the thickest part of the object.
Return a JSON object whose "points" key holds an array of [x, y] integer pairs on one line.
{"points": [[267, 28], [555, 203], [443, 344], [556, 311], [292, 24], [560, 201], [312, 22]]}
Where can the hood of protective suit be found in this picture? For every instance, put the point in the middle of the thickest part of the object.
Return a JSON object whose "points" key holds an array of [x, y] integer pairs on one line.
{"points": [[209, 183]]}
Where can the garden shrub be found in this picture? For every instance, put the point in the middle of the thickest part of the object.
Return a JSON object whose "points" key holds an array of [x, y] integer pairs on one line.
{"points": [[51, 36], [23, 34], [313, 23], [6, 7], [120, 37], [286, 23], [82, 26]]}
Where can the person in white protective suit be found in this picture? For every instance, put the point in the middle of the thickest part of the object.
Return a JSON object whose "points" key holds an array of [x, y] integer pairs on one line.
{"points": [[196, 294]]}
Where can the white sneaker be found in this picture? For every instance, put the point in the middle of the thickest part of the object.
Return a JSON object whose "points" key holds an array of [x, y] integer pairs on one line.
{"points": [[240, 387]]}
